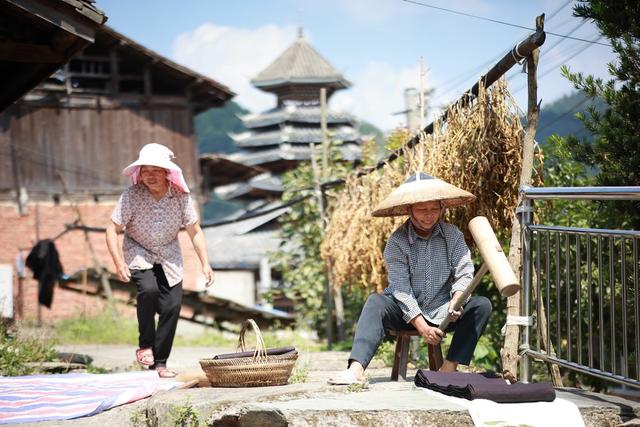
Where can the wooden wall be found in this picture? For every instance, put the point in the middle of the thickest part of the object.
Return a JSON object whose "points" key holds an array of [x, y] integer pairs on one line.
{"points": [[90, 147]]}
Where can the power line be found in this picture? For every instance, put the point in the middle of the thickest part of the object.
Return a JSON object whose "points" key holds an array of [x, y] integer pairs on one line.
{"points": [[59, 168], [500, 22], [569, 111], [555, 45], [554, 67], [207, 224], [573, 30], [76, 168], [448, 87]]}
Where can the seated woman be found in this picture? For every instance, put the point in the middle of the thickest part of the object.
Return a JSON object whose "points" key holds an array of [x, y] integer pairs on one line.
{"points": [[428, 266]]}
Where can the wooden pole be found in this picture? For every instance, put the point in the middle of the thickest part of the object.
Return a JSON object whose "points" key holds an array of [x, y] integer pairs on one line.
{"points": [[509, 352], [37, 226], [325, 135], [423, 73], [466, 293], [336, 292], [320, 201], [16, 178], [104, 278]]}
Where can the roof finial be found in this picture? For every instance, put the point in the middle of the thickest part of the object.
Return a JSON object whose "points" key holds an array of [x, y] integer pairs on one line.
{"points": [[300, 33]]}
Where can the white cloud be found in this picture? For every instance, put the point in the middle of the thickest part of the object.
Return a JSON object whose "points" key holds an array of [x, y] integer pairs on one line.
{"points": [[233, 56], [377, 93]]}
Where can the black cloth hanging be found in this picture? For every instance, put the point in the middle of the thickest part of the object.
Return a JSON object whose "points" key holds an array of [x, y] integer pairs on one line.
{"points": [[44, 261], [484, 386]]}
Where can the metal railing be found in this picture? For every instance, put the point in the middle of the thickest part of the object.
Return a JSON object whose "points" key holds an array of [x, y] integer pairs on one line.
{"points": [[581, 284]]}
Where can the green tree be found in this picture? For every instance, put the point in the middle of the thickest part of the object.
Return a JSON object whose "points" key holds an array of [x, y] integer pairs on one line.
{"points": [[561, 170], [299, 259], [615, 150]]}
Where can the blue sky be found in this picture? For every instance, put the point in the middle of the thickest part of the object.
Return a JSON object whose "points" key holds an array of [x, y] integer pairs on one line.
{"points": [[376, 44]]}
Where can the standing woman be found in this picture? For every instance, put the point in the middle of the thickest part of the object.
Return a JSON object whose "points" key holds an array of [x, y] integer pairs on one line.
{"points": [[151, 213]]}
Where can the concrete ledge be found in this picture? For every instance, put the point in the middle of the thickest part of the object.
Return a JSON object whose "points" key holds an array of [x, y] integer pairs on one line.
{"points": [[384, 403]]}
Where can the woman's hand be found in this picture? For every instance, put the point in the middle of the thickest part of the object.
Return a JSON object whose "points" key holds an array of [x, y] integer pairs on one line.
{"points": [[123, 273], [209, 275], [432, 335], [454, 315]]}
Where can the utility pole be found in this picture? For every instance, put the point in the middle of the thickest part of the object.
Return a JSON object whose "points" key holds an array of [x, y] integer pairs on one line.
{"points": [[320, 201], [331, 290]]}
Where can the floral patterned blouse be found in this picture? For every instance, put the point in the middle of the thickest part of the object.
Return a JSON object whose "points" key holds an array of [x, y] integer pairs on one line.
{"points": [[151, 228]]}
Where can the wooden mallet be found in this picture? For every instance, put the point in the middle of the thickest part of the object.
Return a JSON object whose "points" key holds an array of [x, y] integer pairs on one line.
{"points": [[495, 262]]}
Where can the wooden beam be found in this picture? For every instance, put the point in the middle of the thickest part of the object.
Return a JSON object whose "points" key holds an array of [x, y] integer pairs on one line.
{"points": [[147, 81], [29, 52], [78, 25], [94, 58], [115, 72]]}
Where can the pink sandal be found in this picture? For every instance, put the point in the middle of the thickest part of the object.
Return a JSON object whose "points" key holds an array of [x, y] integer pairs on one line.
{"points": [[163, 372], [144, 356]]}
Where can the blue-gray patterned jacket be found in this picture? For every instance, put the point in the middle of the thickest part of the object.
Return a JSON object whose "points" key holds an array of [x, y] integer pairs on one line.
{"points": [[424, 273]]}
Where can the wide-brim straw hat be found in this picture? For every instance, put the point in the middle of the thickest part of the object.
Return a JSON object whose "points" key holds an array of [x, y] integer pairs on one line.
{"points": [[157, 155], [418, 188]]}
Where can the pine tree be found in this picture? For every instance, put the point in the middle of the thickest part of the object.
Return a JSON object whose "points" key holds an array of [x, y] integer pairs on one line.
{"points": [[614, 152]]}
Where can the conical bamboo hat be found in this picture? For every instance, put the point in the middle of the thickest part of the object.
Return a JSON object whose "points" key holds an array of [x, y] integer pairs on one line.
{"points": [[418, 188]]}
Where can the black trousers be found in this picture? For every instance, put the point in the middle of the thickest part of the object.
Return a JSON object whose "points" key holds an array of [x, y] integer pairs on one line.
{"points": [[155, 296], [381, 313]]}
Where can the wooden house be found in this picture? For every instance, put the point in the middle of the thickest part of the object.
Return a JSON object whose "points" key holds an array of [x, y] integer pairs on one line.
{"points": [[64, 144], [39, 36]]}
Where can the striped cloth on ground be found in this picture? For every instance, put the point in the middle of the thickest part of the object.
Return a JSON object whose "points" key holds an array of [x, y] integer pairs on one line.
{"points": [[66, 396]]}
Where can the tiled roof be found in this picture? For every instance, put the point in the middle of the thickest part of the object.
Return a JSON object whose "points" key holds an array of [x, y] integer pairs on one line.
{"points": [[201, 85], [245, 226], [296, 114], [300, 63], [293, 135], [241, 251], [239, 245], [220, 170], [264, 182], [350, 152], [88, 9]]}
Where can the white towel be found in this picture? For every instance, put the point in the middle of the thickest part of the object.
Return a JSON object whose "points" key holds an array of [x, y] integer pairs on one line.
{"points": [[487, 413]]}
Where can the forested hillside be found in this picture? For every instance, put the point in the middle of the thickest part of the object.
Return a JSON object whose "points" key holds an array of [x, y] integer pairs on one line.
{"points": [[559, 117], [213, 126]]}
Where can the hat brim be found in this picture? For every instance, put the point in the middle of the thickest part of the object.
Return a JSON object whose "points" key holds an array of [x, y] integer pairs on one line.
{"points": [[165, 164], [420, 191]]}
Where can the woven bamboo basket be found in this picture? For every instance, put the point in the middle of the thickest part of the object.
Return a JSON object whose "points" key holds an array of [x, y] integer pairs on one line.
{"points": [[254, 371]]}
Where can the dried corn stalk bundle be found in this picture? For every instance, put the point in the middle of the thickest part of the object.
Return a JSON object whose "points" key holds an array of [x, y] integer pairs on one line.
{"points": [[478, 149]]}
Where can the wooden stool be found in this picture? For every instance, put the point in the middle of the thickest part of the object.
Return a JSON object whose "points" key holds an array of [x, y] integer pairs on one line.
{"points": [[401, 357]]}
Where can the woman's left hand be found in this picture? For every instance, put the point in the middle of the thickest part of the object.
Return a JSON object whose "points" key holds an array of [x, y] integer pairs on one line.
{"points": [[209, 275], [454, 314]]}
